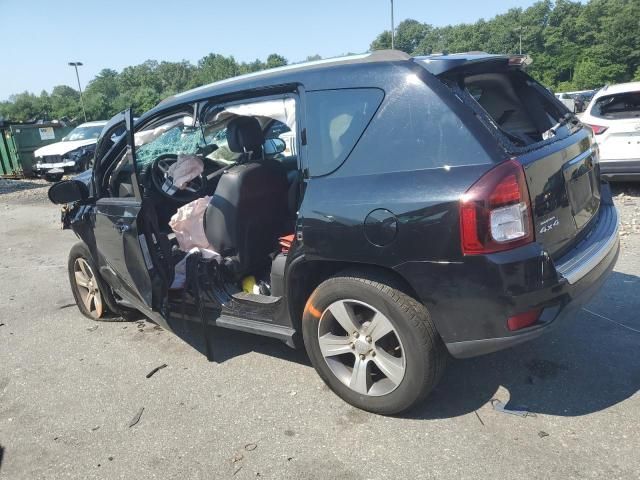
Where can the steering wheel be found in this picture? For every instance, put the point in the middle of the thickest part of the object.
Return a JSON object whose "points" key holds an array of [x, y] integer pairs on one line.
{"points": [[163, 183]]}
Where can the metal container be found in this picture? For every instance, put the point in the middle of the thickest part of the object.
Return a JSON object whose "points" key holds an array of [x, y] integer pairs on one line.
{"points": [[20, 140]]}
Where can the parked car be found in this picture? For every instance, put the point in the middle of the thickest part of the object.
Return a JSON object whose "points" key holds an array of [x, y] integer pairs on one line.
{"points": [[72, 154], [439, 205], [614, 116], [567, 100], [576, 101]]}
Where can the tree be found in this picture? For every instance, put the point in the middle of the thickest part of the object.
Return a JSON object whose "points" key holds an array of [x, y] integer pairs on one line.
{"points": [[216, 67], [275, 60]]}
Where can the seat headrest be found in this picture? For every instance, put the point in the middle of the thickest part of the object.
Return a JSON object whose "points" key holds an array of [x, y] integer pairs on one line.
{"points": [[244, 134]]}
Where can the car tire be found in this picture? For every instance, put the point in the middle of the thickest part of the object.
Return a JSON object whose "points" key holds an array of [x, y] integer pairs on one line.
{"points": [[411, 352], [93, 296]]}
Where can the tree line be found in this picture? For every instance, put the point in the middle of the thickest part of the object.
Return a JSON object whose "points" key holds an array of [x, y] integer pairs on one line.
{"points": [[573, 46]]}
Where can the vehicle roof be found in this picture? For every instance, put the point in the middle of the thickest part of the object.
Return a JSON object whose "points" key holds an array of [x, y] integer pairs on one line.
{"points": [[321, 71], [281, 75], [618, 88]]}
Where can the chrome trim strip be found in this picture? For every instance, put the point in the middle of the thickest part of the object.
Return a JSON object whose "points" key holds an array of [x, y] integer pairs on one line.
{"points": [[584, 267], [580, 157]]}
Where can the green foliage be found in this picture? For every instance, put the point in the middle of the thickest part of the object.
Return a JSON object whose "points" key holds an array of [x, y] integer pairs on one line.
{"points": [[139, 86], [573, 45]]}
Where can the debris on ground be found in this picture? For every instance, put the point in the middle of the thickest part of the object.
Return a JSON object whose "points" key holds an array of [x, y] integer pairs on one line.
{"points": [[237, 469], [237, 457], [93, 429], [152, 372], [542, 434], [498, 406], [478, 415], [250, 447], [91, 329], [136, 418]]}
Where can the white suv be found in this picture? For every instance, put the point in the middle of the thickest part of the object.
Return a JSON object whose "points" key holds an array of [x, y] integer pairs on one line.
{"points": [[614, 116]]}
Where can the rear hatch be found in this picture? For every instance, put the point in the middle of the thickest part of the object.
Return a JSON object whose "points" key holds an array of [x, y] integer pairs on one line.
{"points": [[531, 125]]}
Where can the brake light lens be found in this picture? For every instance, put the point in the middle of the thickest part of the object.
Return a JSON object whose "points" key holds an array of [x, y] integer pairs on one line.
{"points": [[495, 213], [523, 320], [598, 129]]}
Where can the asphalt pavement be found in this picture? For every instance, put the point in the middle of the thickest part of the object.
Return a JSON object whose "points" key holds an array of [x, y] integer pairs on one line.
{"points": [[71, 389]]}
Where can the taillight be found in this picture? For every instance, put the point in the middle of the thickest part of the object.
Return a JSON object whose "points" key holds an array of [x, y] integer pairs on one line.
{"points": [[495, 213], [598, 129]]}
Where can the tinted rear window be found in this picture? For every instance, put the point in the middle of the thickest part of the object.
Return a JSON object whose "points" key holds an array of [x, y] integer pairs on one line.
{"points": [[621, 105], [335, 122]]}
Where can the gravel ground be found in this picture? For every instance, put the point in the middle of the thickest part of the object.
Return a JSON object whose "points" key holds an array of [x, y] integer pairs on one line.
{"points": [[70, 388]]}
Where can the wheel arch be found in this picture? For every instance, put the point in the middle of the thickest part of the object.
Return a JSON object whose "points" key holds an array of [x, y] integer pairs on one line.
{"points": [[303, 276]]}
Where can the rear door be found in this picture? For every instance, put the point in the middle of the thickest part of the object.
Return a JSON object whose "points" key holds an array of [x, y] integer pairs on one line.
{"points": [[124, 256], [560, 164], [564, 186]]}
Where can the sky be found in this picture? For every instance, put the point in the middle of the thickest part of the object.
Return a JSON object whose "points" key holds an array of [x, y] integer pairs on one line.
{"points": [[40, 37]]}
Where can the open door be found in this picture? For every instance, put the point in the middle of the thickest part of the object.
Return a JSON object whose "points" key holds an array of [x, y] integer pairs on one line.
{"points": [[123, 241]]}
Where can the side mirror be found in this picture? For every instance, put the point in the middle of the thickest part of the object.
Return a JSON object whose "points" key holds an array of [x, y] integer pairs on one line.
{"points": [[273, 146], [68, 191]]}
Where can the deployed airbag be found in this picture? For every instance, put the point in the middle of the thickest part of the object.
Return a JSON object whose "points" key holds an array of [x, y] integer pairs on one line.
{"points": [[187, 224]]}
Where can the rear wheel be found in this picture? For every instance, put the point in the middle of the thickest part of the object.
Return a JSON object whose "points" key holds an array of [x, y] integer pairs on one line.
{"points": [[375, 346], [91, 293]]}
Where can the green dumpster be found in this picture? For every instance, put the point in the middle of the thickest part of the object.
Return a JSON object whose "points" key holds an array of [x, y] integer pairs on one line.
{"points": [[20, 140], [9, 163]]}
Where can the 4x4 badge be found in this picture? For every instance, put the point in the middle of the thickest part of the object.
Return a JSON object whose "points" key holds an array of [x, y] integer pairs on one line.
{"points": [[549, 224]]}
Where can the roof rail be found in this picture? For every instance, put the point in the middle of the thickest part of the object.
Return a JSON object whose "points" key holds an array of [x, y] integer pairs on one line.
{"points": [[389, 55]]}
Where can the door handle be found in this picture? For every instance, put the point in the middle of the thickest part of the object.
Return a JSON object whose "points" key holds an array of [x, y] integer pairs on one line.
{"points": [[121, 227]]}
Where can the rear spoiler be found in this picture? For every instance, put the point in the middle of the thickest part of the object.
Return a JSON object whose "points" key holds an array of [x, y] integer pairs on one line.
{"points": [[438, 64]]}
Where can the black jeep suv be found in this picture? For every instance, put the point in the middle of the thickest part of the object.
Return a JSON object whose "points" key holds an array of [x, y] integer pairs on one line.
{"points": [[383, 211]]}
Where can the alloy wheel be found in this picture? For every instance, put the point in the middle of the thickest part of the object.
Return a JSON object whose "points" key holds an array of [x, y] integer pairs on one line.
{"points": [[361, 347], [88, 288]]}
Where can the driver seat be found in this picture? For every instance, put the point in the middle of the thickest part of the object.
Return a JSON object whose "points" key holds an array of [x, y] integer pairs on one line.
{"points": [[247, 212]]}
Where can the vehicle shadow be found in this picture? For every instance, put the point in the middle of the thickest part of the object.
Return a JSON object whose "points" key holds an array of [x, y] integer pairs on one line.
{"points": [[586, 364]]}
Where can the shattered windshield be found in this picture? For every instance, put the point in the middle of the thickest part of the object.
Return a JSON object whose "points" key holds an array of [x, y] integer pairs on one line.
{"points": [[174, 137], [83, 133]]}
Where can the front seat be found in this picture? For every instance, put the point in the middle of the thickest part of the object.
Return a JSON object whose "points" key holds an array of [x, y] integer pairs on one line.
{"points": [[248, 210]]}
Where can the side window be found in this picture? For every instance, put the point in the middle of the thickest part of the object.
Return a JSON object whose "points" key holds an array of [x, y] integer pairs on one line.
{"points": [[335, 122], [278, 129]]}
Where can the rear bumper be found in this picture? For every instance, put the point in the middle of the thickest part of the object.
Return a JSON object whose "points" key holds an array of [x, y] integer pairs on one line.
{"points": [[473, 299], [627, 169]]}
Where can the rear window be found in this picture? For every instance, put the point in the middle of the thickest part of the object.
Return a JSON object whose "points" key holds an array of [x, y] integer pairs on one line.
{"points": [[522, 111], [335, 122], [621, 105]]}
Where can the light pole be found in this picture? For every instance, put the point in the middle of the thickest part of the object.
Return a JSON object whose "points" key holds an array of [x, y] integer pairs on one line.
{"points": [[76, 65], [393, 34], [520, 33]]}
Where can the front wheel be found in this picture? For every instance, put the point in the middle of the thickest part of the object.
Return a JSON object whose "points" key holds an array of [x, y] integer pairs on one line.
{"points": [[91, 293], [374, 346]]}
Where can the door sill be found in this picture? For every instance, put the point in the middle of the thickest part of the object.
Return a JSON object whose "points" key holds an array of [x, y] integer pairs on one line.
{"points": [[259, 328]]}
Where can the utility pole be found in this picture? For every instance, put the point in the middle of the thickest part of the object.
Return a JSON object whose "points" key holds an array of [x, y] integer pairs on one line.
{"points": [[76, 65], [393, 33]]}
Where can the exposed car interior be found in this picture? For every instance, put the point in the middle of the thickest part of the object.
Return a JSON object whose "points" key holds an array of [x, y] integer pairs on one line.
{"points": [[516, 108], [242, 158]]}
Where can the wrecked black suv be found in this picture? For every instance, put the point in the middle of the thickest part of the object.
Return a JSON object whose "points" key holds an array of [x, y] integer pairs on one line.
{"points": [[383, 211]]}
